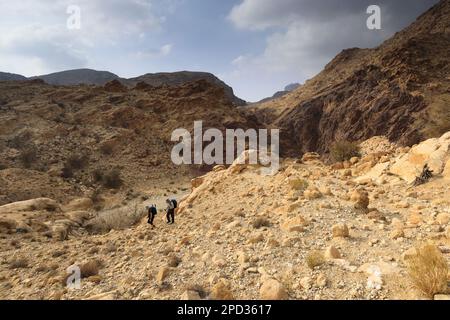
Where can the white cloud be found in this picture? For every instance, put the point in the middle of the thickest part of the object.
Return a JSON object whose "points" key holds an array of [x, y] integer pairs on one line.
{"points": [[35, 32], [164, 51]]}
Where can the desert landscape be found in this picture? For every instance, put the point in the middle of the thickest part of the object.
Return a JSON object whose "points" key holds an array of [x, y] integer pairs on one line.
{"points": [[358, 210]]}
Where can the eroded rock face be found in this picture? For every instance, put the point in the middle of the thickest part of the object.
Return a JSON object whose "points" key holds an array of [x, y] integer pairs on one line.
{"points": [[434, 152], [31, 205]]}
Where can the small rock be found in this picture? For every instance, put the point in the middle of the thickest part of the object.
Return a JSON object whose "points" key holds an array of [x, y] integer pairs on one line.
{"points": [[272, 290], [340, 231]]}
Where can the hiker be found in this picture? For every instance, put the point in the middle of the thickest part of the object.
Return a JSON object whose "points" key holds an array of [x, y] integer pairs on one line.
{"points": [[171, 206], [152, 211]]}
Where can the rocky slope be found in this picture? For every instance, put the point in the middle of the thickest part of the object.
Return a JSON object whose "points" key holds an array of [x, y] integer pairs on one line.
{"points": [[4, 76], [100, 78], [178, 78], [397, 89], [78, 76], [68, 141], [311, 231]]}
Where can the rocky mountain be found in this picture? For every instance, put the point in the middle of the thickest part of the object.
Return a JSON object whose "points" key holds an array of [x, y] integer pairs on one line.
{"points": [[4, 76], [182, 77], [61, 141], [289, 88], [94, 77], [78, 76], [400, 89]]}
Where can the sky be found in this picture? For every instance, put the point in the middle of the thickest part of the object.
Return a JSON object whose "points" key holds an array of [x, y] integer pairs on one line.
{"points": [[255, 46]]}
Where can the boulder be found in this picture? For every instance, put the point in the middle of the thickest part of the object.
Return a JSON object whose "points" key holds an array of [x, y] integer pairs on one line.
{"points": [[38, 204], [340, 230], [190, 295], [221, 291], [434, 152], [360, 199], [296, 224], [271, 289], [332, 253], [163, 273]]}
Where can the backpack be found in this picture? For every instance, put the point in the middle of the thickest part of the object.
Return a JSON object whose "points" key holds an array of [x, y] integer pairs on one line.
{"points": [[152, 210], [175, 203]]}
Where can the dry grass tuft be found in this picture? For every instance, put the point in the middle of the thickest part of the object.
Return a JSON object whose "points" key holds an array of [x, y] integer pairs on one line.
{"points": [[260, 222], [115, 219], [344, 150], [315, 258], [428, 270], [18, 263]]}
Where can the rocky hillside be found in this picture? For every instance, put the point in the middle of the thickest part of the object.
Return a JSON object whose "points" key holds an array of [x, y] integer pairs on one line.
{"points": [[177, 78], [400, 89], [62, 142], [78, 76], [94, 77], [4, 76], [354, 230]]}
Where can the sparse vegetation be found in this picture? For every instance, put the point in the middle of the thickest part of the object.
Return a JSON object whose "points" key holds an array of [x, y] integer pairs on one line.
{"points": [[118, 218], [344, 150], [28, 157], [19, 263], [77, 161], [260, 222], [110, 179], [315, 258], [107, 149], [428, 270]]}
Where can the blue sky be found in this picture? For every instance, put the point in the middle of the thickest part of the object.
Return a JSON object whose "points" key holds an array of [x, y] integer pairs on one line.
{"points": [[256, 46]]}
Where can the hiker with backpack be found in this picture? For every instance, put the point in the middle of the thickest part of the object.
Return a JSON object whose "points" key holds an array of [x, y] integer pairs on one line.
{"points": [[171, 206], [152, 212]]}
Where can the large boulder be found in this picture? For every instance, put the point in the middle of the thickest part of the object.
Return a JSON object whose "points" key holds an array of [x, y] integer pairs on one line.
{"points": [[434, 152], [38, 204]]}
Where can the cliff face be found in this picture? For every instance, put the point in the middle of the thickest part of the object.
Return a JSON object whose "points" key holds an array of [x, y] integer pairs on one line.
{"points": [[395, 90]]}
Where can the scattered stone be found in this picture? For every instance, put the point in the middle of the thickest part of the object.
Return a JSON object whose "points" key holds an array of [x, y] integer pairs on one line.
{"points": [[271, 289], [332, 253], [340, 231]]}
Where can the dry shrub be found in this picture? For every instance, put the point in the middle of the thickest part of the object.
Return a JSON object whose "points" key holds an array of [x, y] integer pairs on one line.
{"points": [[28, 157], [77, 161], [107, 148], [18, 263], [110, 179], [428, 270], [90, 268], [315, 258], [344, 150], [117, 219], [260, 222]]}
